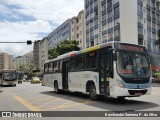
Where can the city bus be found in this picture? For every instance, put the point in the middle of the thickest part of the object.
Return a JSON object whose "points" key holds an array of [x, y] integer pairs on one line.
{"points": [[8, 77], [112, 69]]}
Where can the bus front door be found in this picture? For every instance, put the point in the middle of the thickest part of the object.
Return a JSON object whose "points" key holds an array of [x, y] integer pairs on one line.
{"points": [[65, 75], [103, 70]]}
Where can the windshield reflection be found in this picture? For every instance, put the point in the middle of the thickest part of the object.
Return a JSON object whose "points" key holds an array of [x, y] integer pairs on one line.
{"points": [[133, 65], [9, 76]]}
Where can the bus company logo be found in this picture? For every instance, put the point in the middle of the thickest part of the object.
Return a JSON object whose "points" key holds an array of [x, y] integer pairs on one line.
{"points": [[6, 114]]}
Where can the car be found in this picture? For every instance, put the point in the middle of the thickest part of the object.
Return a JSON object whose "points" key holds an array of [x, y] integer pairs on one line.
{"points": [[35, 80]]}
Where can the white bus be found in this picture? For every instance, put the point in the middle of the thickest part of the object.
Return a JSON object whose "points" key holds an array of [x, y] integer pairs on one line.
{"points": [[114, 69], [8, 77]]}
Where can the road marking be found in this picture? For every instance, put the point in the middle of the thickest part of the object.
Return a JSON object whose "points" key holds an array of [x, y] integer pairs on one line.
{"points": [[49, 102], [66, 106], [27, 104]]}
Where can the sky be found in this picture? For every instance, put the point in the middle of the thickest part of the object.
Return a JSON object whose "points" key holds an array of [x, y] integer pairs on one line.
{"points": [[22, 20]]}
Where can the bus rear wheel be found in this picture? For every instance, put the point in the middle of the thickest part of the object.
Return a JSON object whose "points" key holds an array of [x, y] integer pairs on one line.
{"points": [[92, 93], [56, 89]]}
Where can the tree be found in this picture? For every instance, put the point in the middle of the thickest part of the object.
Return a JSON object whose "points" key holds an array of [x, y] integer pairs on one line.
{"points": [[52, 53], [158, 41], [63, 47]]}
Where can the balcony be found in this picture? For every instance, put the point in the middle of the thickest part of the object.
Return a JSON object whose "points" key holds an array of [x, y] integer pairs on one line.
{"points": [[117, 27], [104, 32], [109, 9], [116, 5], [148, 7], [140, 36], [140, 2], [117, 38], [103, 12], [103, 2], [109, 19], [140, 25], [153, 30], [116, 16]]}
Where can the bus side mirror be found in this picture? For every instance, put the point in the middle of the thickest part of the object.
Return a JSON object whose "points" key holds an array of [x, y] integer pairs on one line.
{"points": [[114, 56]]}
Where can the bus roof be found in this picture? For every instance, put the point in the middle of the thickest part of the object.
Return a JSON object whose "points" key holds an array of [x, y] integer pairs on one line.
{"points": [[74, 53]]}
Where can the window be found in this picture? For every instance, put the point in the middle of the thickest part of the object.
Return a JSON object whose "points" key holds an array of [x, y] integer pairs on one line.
{"points": [[50, 67], [110, 36], [91, 60], [116, 33], [116, 10], [148, 23], [109, 25], [140, 31], [115, 1], [116, 22], [79, 62], [110, 14], [57, 66], [140, 19], [46, 68], [71, 65]]}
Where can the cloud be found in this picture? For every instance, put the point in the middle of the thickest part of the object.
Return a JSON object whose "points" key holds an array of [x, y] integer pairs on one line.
{"points": [[56, 11], [22, 20]]}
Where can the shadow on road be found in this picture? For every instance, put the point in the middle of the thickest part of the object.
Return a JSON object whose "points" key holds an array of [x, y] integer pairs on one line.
{"points": [[106, 103]]}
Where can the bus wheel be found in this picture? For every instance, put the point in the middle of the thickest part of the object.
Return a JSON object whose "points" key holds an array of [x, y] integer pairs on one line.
{"points": [[92, 93], [56, 88], [14, 85]]}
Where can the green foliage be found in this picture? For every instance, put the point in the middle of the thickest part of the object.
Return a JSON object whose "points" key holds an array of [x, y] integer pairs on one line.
{"points": [[26, 68], [62, 48], [52, 53]]}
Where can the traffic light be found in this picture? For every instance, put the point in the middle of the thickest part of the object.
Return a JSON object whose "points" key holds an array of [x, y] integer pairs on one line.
{"points": [[29, 42]]}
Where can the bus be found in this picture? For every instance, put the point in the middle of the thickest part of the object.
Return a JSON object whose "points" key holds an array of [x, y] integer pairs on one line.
{"points": [[8, 77], [112, 69], [21, 76]]}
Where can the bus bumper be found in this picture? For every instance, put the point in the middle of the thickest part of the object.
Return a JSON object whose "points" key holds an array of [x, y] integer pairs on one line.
{"points": [[124, 92], [9, 82]]}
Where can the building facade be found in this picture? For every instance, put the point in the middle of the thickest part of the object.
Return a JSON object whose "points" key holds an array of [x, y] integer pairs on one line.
{"points": [[40, 53], [6, 61], [36, 53], [129, 21], [78, 29], [23, 60], [61, 33], [44, 53]]}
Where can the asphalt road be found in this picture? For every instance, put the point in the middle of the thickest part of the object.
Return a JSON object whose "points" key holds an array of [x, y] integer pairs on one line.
{"points": [[34, 97]]}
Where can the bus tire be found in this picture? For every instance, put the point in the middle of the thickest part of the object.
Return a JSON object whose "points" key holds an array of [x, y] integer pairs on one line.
{"points": [[56, 89], [92, 93], [14, 85]]}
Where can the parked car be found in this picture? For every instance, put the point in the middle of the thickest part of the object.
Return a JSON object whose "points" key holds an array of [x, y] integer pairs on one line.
{"points": [[35, 80]]}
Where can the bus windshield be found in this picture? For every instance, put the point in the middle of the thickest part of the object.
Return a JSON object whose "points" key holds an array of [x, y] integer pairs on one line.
{"points": [[133, 64], [9, 75]]}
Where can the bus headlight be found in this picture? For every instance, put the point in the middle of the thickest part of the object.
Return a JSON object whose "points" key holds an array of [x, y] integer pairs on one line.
{"points": [[120, 83]]}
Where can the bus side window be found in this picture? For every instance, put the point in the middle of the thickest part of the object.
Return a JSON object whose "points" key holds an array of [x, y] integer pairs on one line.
{"points": [[71, 64], [46, 68], [79, 62], [91, 59]]}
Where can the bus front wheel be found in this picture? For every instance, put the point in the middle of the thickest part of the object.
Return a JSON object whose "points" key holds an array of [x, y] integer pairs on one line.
{"points": [[92, 93]]}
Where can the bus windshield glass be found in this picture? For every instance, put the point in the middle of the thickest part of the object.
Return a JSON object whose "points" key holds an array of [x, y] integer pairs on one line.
{"points": [[10, 75], [133, 64]]}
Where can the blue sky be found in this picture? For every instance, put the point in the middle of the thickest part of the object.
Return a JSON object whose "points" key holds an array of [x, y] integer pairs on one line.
{"points": [[22, 20]]}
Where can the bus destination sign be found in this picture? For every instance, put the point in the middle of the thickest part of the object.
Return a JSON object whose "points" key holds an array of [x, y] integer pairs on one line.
{"points": [[129, 47]]}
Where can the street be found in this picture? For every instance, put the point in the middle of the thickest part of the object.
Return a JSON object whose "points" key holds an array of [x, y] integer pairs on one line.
{"points": [[35, 97]]}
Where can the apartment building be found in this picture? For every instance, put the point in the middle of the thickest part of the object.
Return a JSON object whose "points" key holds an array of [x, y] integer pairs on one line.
{"points": [[40, 53], [23, 60], [61, 33], [129, 21], [78, 29], [6, 61]]}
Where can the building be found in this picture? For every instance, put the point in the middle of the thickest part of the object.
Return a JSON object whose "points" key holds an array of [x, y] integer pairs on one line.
{"points": [[78, 29], [23, 60], [41, 53], [61, 33], [36, 53], [130, 21], [44, 53], [6, 61]]}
